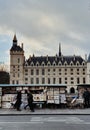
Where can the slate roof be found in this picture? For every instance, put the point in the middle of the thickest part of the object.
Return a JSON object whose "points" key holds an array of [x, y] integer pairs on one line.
{"points": [[55, 59], [16, 48]]}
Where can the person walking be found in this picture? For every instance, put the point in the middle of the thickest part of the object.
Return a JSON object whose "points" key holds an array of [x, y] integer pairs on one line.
{"points": [[86, 96], [30, 101], [18, 101]]}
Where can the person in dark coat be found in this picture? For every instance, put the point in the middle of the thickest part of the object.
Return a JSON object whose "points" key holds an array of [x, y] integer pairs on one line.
{"points": [[18, 101], [30, 101], [86, 96]]}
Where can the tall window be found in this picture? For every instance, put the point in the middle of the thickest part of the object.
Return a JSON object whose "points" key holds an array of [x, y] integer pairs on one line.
{"points": [[84, 80], [18, 74], [60, 80], [43, 80], [65, 69], [83, 71], [48, 70], [18, 60], [37, 80], [32, 80], [43, 72], [54, 80], [37, 72], [32, 72], [13, 82], [26, 70], [71, 71], [78, 80], [53, 70], [48, 80], [17, 82], [26, 79], [13, 74]]}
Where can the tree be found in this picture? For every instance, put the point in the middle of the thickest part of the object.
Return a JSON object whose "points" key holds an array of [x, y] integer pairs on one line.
{"points": [[4, 77]]}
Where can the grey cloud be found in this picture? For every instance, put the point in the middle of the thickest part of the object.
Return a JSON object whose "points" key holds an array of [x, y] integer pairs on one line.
{"points": [[63, 17]]}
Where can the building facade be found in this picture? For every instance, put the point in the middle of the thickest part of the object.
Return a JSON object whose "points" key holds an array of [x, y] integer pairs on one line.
{"points": [[58, 69]]}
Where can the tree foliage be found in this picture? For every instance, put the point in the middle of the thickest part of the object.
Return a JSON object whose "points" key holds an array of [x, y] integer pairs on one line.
{"points": [[4, 77]]}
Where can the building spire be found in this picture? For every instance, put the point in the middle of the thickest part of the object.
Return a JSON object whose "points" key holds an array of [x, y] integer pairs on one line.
{"points": [[89, 58], [59, 49], [15, 40]]}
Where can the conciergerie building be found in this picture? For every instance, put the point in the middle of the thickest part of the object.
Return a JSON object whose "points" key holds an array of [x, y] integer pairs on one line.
{"points": [[58, 69]]}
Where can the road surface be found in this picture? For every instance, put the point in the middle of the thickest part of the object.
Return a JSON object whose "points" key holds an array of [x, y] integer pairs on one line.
{"points": [[45, 122]]}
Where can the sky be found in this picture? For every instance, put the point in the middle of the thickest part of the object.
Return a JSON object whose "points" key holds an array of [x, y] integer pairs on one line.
{"points": [[42, 24]]}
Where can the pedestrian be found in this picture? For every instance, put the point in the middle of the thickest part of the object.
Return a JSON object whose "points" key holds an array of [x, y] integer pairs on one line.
{"points": [[30, 101], [86, 96], [18, 101]]}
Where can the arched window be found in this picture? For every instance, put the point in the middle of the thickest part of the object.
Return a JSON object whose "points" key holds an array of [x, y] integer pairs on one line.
{"points": [[72, 90]]}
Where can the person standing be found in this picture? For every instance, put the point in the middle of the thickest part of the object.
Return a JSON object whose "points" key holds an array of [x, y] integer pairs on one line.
{"points": [[30, 101], [18, 101]]}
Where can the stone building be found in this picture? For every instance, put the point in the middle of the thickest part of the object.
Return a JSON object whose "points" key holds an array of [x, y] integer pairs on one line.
{"points": [[58, 69]]}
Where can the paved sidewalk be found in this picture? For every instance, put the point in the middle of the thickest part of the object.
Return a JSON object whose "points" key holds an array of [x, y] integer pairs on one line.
{"points": [[45, 112]]}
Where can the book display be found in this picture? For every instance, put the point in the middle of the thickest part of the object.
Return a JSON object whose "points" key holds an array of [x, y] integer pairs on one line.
{"points": [[41, 95]]}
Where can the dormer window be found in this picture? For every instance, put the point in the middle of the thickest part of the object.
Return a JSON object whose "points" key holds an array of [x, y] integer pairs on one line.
{"points": [[48, 63], [32, 64], [37, 64], [83, 63], [65, 63], [43, 64], [54, 63], [59, 63], [71, 63], [77, 63]]}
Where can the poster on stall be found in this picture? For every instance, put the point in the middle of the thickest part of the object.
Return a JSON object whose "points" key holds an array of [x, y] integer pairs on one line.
{"points": [[39, 97], [56, 99], [62, 98], [50, 99]]}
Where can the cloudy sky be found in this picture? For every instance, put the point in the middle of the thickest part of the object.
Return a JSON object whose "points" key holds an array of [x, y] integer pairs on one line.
{"points": [[42, 24]]}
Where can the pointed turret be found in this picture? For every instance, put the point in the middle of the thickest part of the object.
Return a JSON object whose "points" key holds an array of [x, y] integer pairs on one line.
{"points": [[89, 58], [15, 46], [15, 40], [59, 49]]}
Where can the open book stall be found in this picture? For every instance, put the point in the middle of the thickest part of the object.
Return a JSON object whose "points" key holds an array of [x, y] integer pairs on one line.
{"points": [[43, 95]]}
